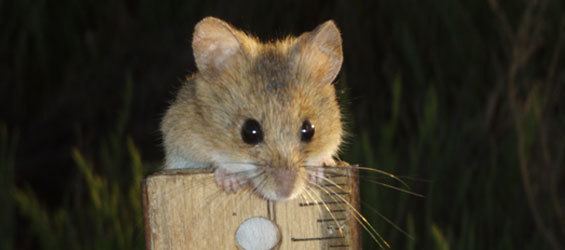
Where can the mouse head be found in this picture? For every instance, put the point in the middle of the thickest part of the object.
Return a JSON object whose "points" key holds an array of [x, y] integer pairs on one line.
{"points": [[270, 105]]}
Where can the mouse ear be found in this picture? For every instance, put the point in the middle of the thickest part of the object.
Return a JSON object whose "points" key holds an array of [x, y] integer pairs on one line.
{"points": [[320, 52], [214, 44]]}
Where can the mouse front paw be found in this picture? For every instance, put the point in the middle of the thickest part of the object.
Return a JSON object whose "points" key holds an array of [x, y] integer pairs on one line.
{"points": [[317, 175], [230, 182]]}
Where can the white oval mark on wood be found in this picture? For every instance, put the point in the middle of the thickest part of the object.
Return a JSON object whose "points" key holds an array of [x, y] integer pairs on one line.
{"points": [[257, 233]]}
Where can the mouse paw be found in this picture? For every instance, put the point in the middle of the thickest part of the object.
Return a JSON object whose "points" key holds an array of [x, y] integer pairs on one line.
{"points": [[316, 176], [229, 182]]}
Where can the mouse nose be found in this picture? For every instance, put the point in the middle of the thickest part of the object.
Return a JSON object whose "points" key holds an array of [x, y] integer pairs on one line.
{"points": [[285, 180]]}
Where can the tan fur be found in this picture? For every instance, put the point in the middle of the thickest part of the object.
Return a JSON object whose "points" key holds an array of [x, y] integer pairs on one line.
{"points": [[280, 84]]}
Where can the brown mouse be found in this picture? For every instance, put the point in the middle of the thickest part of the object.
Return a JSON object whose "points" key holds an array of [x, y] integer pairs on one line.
{"points": [[259, 113]]}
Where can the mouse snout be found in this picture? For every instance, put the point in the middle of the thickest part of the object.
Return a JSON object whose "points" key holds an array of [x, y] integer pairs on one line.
{"points": [[280, 183], [282, 177], [285, 182]]}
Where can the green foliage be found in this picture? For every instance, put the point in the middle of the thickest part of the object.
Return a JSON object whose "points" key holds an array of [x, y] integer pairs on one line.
{"points": [[109, 218], [439, 238], [104, 210]]}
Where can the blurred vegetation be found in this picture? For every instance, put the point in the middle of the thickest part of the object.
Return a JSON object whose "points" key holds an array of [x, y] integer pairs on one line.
{"points": [[110, 218], [462, 97]]}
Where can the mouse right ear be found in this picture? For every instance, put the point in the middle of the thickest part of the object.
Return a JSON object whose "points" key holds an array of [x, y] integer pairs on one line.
{"points": [[215, 44], [319, 52]]}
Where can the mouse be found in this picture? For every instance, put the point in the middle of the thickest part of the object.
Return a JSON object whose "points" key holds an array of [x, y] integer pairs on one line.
{"points": [[261, 114]]}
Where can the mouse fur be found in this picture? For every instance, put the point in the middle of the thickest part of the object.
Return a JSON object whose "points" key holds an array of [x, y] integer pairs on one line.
{"points": [[278, 83]]}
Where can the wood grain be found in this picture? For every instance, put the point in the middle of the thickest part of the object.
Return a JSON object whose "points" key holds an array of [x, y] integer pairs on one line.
{"points": [[186, 210]]}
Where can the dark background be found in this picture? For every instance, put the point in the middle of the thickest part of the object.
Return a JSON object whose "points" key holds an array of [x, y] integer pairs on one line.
{"points": [[463, 98]]}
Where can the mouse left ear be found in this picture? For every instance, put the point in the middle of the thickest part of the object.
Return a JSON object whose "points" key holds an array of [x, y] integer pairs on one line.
{"points": [[319, 52]]}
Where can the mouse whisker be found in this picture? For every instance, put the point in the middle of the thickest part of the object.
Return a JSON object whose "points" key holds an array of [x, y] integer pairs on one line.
{"points": [[332, 214], [373, 209], [251, 191], [257, 175], [261, 183], [406, 191], [369, 179], [356, 214], [241, 172], [241, 163], [359, 168]]}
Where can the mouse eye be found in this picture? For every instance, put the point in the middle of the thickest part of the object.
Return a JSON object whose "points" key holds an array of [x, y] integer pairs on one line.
{"points": [[307, 131], [251, 132]]}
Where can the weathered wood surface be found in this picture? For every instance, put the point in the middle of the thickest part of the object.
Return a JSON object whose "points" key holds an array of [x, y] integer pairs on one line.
{"points": [[186, 210]]}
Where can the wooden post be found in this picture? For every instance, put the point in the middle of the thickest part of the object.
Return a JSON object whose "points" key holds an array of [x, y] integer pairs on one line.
{"points": [[186, 210]]}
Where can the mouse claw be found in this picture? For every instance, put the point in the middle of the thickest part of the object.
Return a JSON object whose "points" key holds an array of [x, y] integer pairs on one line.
{"points": [[229, 182]]}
